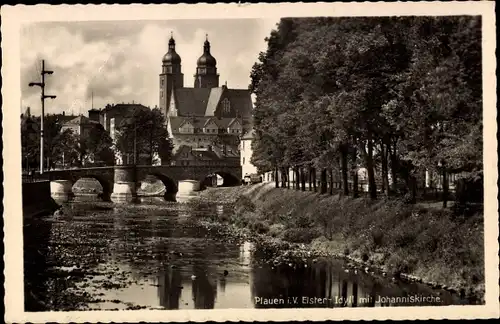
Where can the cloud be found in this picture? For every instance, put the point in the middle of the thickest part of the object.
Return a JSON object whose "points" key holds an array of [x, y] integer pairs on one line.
{"points": [[121, 61]]}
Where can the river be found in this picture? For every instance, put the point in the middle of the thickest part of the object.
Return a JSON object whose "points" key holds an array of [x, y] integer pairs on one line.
{"points": [[161, 255]]}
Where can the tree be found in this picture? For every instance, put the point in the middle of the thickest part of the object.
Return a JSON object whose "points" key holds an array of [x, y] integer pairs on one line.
{"points": [[96, 147], [144, 133], [396, 96], [30, 143], [66, 152]]}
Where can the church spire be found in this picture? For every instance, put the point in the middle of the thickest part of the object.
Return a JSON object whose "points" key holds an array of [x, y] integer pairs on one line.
{"points": [[206, 71], [206, 45], [171, 41], [171, 57]]}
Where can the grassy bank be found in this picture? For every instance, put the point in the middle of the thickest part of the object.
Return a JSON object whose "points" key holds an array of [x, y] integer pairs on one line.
{"points": [[426, 244]]}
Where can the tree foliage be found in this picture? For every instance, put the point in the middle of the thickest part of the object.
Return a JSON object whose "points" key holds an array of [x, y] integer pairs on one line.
{"points": [[394, 95], [145, 133], [63, 147]]}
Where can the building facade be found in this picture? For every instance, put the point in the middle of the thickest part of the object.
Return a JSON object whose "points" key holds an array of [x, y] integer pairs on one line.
{"points": [[247, 168], [207, 116], [80, 126], [111, 116]]}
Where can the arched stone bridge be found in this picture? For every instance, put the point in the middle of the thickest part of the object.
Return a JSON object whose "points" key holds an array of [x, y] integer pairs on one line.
{"points": [[121, 180]]}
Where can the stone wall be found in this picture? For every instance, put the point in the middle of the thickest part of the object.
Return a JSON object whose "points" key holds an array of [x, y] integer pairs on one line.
{"points": [[37, 199]]}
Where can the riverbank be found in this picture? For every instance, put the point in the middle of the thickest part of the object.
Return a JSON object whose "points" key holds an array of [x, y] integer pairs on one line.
{"points": [[416, 243]]}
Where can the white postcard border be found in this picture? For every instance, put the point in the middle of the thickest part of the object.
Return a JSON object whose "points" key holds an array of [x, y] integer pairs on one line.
{"points": [[13, 17]]}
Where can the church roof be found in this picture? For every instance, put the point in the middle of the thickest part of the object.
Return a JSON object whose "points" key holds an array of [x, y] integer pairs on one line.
{"points": [[204, 101], [192, 101], [125, 107], [81, 120], [241, 99], [213, 101]]}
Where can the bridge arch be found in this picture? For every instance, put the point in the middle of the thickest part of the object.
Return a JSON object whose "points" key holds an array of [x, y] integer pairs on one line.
{"points": [[171, 186], [228, 179], [107, 186], [64, 185]]}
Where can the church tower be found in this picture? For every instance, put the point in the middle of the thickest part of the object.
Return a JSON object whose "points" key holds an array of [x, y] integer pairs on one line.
{"points": [[206, 71], [171, 76]]}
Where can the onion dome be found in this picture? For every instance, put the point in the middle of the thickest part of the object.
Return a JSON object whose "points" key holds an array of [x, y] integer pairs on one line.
{"points": [[207, 60], [171, 57]]}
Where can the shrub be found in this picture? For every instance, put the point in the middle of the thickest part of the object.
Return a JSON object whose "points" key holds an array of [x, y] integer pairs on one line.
{"points": [[377, 237], [259, 227], [244, 204], [300, 235], [276, 230]]}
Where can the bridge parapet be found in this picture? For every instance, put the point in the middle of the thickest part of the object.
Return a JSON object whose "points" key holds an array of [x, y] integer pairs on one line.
{"points": [[120, 182]]}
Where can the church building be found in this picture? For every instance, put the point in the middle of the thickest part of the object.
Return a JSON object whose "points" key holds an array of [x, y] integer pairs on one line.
{"points": [[207, 117]]}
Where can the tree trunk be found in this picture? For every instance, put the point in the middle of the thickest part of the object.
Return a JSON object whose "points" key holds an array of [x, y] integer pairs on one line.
{"points": [[297, 178], [355, 184], [413, 188], [276, 178], [345, 183], [354, 170], [385, 170], [302, 179], [314, 179], [323, 181], [309, 174], [445, 188], [372, 187], [283, 178], [288, 177], [394, 167], [331, 181]]}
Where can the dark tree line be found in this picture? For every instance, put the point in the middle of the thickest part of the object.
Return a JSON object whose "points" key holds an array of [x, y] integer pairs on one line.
{"points": [[63, 147], [145, 130], [397, 96]]}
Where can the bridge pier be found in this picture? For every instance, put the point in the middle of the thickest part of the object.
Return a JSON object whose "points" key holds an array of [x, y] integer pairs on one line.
{"points": [[61, 190], [125, 182], [188, 187]]}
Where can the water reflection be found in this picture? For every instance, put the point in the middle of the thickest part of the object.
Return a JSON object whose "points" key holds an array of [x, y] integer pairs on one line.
{"points": [[204, 290], [170, 288], [167, 259], [36, 235]]}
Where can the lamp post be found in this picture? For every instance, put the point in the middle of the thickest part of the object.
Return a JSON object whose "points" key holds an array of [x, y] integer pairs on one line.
{"points": [[42, 97], [135, 141]]}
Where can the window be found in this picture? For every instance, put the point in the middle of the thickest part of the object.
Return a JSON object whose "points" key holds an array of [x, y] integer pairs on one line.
{"points": [[243, 160], [161, 93], [162, 82], [243, 144], [226, 106]]}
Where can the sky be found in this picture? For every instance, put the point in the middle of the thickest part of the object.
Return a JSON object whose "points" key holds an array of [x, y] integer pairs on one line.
{"points": [[120, 61]]}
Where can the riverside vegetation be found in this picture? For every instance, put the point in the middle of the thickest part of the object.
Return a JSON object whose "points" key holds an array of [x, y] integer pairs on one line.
{"points": [[424, 244], [397, 99]]}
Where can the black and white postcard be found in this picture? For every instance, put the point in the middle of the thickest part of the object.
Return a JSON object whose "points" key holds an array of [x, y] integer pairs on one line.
{"points": [[263, 162]]}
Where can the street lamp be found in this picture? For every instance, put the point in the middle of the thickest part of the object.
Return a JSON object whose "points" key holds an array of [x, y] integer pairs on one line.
{"points": [[42, 98]]}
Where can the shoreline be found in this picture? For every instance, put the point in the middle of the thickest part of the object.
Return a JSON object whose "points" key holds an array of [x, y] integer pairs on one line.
{"points": [[369, 261]]}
